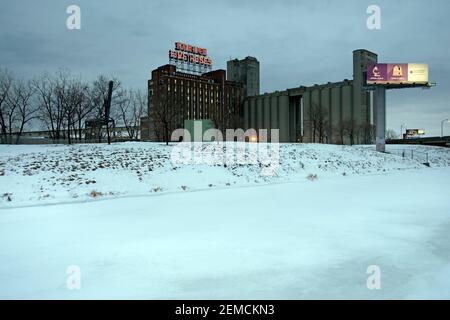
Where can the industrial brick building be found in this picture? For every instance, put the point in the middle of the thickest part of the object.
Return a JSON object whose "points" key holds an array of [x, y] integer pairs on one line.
{"points": [[174, 97]]}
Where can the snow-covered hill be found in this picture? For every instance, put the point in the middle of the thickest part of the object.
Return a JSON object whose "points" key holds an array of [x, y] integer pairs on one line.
{"points": [[57, 173]]}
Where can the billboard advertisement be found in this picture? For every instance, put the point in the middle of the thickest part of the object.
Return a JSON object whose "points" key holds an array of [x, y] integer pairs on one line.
{"points": [[411, 133], [397, 73]]}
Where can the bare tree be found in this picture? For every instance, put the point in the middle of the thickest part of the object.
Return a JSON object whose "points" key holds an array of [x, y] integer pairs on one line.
{"points": [[21, 95], [319, 123], [61, 97], [165, 114], [131, 108], [367, 133], [350, 130], [5, 87], [70, 94], [17, 110], [391, 134], [51, 112], [83, 106], [341, 133], [226, 118], [76, 108]]}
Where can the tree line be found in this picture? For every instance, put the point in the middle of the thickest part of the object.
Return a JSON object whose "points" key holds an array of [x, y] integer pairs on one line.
{"points": [[347, 130], [60, 103]]}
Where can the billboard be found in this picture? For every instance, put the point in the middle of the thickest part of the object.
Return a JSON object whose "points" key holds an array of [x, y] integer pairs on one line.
{"points": [[411, 133], [397, 73]]}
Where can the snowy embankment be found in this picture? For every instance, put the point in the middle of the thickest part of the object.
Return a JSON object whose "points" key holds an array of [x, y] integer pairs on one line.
{"points": [[31, 175]]}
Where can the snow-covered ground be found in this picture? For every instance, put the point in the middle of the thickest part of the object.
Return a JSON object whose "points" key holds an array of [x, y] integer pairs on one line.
{"points": [[41, 174], [231, 232]]}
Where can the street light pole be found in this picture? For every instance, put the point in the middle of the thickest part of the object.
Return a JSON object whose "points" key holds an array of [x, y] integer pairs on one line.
{"points": [[442, 126]]}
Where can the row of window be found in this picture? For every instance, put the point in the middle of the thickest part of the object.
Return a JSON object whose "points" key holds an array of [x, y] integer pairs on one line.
{"points": [[193, 84], [194, 90], [201, 111]]}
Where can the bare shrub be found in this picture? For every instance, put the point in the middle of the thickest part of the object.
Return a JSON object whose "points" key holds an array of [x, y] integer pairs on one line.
{"points": [[95, 194]]}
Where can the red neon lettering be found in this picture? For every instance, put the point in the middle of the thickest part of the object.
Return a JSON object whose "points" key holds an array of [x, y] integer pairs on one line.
{"points": [[189, 53]]}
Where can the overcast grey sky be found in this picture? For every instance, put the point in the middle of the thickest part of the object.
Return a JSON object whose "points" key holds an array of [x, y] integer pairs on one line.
{"points": [[297, 42]]}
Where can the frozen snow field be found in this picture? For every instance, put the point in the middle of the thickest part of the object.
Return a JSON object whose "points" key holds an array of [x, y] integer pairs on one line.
{"points": [[213, 232]]}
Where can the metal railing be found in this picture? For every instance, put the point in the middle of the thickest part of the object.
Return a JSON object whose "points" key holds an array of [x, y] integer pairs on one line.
{"points": [[419, 156]]}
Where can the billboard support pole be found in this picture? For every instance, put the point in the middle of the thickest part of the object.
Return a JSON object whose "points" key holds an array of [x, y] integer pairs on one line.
{"points": [[380, 109]]}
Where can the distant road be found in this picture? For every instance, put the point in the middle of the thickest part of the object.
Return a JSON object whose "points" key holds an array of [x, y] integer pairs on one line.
{"points": [[430, 141]]}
